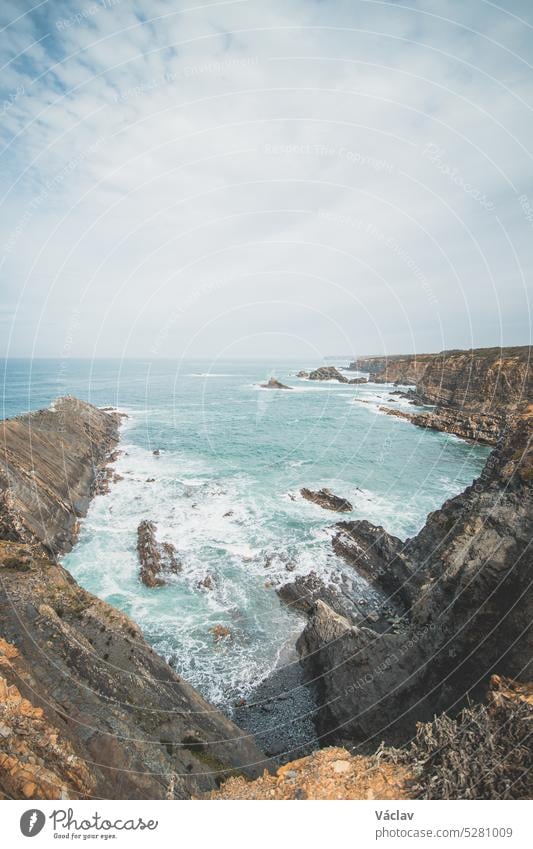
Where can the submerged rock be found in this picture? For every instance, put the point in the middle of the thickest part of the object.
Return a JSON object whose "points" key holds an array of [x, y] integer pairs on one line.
{"points": [[327, 499], [220, 632], [156, 558]]}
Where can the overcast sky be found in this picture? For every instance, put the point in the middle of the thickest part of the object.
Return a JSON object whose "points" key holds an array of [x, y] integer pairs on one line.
{"points": [[281, 178]]}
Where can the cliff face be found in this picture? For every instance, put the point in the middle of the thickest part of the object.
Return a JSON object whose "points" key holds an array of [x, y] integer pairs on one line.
{"points": [[92, 703], [50, 463], [404, 369], [465, 583], [473, 391]]}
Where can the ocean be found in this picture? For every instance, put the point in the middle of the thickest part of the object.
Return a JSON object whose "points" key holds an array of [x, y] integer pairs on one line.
{"points": [[224, 489]]}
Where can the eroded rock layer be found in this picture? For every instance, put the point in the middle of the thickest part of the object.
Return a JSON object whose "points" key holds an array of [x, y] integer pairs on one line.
{"points": [[86, 706], [51, 462], [473, 391], [465, 584]]}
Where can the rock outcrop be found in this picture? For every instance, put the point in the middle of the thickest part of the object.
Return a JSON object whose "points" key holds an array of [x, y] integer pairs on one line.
{"points": [[327, 499], [302, 594], [51, 464], [329, 373], [465, 583], [157, 558], [98, 713], [473, 391], [331, 773], [274, 383], [474, 427]]}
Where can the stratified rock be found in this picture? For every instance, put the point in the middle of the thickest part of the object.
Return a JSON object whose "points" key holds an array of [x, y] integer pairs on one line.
{"points": [[79, 686], [327, 499], [273, 383], [473, 391], [156, 558], [403, 369], [116, 705], [475, 427], [377, 556], [51, 462], [466, 581]]}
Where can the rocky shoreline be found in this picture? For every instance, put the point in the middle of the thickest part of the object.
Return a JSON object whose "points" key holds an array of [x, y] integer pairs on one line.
{"points": [[464, 585], [87, 709], [473, 392]]}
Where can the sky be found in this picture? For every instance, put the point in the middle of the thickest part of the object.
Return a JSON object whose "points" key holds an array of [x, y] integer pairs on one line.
{"points": [[283, 179]]}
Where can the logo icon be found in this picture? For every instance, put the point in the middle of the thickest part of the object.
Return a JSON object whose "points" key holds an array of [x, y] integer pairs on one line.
{"points": [[32, 822]]}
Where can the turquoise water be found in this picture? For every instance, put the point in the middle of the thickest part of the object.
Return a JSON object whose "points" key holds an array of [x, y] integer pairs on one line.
{"points": [[233, 458]]}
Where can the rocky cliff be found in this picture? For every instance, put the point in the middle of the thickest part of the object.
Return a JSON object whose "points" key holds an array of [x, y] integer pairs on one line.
{"points": [[51, 462], [474, 391], [465, 585], [86, 706]]}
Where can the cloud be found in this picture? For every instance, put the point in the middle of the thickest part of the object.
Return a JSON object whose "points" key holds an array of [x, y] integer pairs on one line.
{"points": [[324, 170]]}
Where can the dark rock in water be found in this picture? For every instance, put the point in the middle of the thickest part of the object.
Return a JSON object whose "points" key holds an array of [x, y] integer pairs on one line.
{"points": [[273, 383], [206, 583], [156, 452], [327, 373], [466, 580], [327, 499], [156, 558]]}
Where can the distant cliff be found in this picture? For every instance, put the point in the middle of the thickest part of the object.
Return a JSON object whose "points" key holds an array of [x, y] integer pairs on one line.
{"points": [[473, 391], [86, 706]]}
